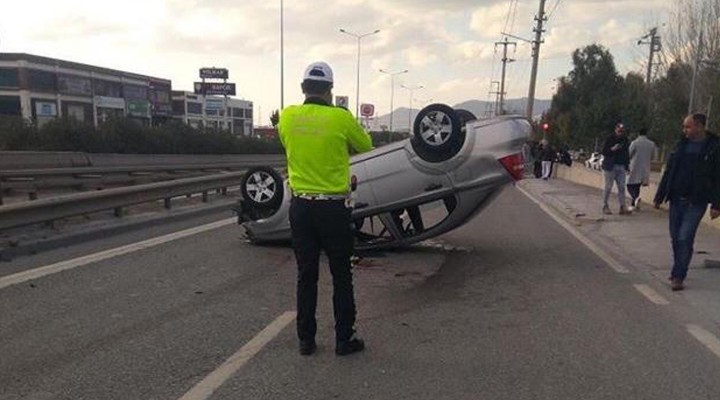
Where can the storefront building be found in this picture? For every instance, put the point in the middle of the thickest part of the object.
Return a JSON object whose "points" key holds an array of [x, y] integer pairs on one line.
{"points": [[40, 89], [218, 112]]}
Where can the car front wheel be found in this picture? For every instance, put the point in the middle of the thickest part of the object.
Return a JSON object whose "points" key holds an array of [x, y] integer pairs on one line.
{"points": [[262, 188]]}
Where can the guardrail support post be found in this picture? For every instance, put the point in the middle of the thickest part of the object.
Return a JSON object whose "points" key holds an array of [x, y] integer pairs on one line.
{"points": [[118, 212], [167, 203], [205, 196], [32, 195], [1, 193], [223, 191]]}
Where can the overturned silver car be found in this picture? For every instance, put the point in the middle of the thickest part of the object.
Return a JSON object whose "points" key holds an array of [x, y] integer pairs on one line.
{"points": [[405, 192]]}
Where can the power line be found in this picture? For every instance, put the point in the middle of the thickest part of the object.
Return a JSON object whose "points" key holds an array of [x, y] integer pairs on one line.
{"points": [[555, 7]]}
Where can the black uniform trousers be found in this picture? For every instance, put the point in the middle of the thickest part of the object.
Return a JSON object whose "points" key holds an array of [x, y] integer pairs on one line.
{"points": [[322, 225]]}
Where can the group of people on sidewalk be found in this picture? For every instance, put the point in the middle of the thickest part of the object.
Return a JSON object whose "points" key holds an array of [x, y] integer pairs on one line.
{"points": [[690, 181], [626, 164]]}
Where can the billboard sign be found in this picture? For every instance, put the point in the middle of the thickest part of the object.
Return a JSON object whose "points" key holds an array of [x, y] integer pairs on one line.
{"points": [[367, 110], [210, 88], [214, 73]]}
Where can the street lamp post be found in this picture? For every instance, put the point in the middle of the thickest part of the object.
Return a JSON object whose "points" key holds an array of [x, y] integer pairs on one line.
{"points": [[392, 90], [357, 83], [411, 89], [282, 57]]}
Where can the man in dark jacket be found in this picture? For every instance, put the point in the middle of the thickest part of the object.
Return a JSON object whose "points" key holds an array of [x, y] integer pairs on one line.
{"points": [[690, 182], [616, 162]]}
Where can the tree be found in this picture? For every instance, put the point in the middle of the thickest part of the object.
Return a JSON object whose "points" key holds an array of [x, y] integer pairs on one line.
{"points": [[588, 102], [275, 118]]}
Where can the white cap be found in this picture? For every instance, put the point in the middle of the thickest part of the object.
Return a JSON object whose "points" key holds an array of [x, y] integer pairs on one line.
{"points": [[319, 71]]}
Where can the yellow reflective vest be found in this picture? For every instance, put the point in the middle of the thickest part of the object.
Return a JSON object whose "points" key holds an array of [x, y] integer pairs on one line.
{"points": [[317, 138]]}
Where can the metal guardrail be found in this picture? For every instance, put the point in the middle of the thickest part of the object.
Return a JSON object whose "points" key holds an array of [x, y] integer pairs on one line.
{"points": [[46, 210], [33, 180]]}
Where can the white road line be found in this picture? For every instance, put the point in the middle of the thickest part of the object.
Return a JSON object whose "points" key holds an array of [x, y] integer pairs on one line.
{"points": [[651, 294], [212, 382], [104, 255], [614, 264], [708, 339]]}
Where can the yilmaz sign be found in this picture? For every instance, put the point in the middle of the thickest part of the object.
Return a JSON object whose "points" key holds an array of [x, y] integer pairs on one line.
{"points": [[214, 73]]}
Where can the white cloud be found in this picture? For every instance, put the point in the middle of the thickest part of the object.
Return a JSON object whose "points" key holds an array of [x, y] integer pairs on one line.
{"points": [[447, 45]]}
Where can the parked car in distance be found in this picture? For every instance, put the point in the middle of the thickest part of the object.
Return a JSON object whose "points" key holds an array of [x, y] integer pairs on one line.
{"points": [[595, 161], [451, 168]]}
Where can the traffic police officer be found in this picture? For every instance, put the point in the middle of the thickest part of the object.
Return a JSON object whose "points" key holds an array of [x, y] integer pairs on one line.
{"points": [[317, 137]]}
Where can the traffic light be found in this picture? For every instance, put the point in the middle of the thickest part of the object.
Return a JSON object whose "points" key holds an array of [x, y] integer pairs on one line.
{"points": [[545, 127]]}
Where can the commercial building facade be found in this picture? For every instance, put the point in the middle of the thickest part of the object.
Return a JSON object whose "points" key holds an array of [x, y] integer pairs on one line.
{"points": [[40, 89], [219, 112]]}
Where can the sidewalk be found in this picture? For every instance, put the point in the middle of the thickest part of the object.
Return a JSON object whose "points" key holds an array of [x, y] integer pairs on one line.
{"points": [[640, 241]]}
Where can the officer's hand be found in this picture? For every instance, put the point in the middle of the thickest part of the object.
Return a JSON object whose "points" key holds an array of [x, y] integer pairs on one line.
{"points": [[714, 213], [657, 205]]}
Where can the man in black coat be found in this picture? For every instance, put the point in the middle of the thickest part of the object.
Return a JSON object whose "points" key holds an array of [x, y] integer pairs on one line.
{"points": [[690, 182], [616, 163]]}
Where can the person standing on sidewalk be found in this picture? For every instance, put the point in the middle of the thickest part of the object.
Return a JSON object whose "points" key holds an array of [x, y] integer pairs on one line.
{"points": [[547, 156], [642, 151], [690, 182], [317, 137], [616, 160]]}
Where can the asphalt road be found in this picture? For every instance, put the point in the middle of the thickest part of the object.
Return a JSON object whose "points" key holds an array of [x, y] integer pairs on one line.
{"points": [[510, 306]]}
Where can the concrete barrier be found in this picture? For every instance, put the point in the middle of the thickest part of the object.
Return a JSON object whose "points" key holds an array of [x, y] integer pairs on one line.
{"points": [[12, 160], [578, 173]]}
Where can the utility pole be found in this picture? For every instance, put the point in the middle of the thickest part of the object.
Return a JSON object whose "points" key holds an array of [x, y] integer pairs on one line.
{"points": [[496, 92], [540, 19], [655, 46], [505, 61], [696, 65]]}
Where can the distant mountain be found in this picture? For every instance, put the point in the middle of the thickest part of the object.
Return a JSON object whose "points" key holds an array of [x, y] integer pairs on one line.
{"points": [[478, 107]]}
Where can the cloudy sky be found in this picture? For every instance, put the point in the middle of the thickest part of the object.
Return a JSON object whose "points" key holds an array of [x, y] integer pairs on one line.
{"points": [[448, 46]]}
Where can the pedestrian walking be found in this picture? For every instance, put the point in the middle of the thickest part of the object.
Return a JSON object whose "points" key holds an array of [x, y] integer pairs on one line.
{"points": [[547, 156], [690, 182], [317, 137], [642, 151], [616, 160]]}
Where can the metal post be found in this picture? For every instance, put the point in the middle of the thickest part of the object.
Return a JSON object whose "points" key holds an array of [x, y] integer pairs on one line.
{"points": [[411, 89], [505, 61], [691, 103], [536, 56], [357, 83], [392, 91], [282, 58]]}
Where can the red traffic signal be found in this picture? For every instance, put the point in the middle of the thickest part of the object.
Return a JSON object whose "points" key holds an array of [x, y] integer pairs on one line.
{"points": [[545, 127]]}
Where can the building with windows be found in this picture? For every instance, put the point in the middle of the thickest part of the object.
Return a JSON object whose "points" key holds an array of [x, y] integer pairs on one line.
{"points": [[41, 88], [233, 115]]}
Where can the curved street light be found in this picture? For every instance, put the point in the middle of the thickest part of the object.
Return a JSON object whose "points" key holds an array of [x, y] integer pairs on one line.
{"points": [[411, 89], [357, 84], [392, 90]]}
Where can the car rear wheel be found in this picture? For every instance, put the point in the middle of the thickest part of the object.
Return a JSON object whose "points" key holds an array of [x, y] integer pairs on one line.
{"points": [[465, 117], [438, 133], [262, 188]]}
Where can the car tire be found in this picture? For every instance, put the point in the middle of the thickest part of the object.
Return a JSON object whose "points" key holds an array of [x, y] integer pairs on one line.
{"points": [[262, 188], [438, 133], [465, 117]]}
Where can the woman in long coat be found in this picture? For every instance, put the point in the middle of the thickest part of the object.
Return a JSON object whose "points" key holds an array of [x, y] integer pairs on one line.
{"points": [[642, 151]]}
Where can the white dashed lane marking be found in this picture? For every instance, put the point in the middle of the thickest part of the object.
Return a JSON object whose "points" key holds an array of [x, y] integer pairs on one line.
{"points": [[706, 338], [205, 388], [651, 294]]}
